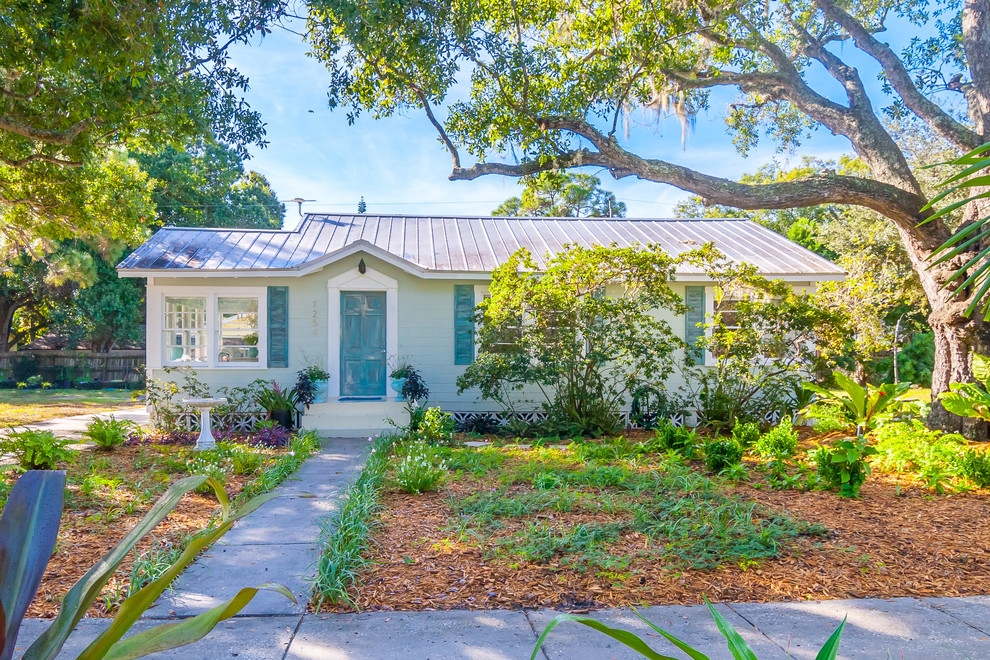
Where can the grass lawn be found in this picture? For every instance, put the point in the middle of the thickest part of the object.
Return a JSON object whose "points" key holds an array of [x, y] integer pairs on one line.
{"points": [[109, 491], [19, 407], [611, 523]]}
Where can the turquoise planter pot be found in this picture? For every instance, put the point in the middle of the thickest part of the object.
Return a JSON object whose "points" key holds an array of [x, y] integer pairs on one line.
{"points": [[321, 391], [397, 385]]}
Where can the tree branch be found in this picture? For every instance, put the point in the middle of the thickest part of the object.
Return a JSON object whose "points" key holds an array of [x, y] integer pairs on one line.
{"points": [[900, 79], [63, 138], [21, 162]]}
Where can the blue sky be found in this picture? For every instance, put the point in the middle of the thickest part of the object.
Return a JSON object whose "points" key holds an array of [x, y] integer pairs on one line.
{"points": [[400, 167]]}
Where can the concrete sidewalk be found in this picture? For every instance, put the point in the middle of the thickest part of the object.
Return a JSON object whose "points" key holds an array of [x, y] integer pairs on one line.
{"points": [[73, 427], [900, 628]]}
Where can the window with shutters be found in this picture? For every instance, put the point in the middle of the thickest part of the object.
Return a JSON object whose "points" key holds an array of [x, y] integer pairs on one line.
{"points": [[694, 322], [222, 328], [463, 323]]}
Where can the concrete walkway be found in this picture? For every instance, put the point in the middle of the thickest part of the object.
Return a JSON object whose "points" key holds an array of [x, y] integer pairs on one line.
{"points": [[73, 427], [276, 543], [900, 629]]}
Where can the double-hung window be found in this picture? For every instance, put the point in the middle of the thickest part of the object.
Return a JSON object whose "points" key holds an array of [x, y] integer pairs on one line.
{"points": [[215, 329]]}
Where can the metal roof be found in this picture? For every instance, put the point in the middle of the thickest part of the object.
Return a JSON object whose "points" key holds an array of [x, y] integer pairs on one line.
{"points": [[458, 244]]}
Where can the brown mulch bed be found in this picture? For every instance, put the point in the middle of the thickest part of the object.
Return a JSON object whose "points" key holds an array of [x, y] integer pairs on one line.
{"points": [[899, 539], [86, 534]]}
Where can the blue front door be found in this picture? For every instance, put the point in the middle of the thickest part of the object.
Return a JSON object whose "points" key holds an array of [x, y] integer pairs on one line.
{"points": [[362, 343]]}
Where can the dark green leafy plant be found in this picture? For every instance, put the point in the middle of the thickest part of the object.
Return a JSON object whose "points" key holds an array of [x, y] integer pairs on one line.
{"points": [[844, 466], [760, 341], [721, 453], [976, 468], [868, 407], [737, 646], [674, 438], [779, 442], [746, 433], [28, 530], [37, 450], [109, 433], [968, 399], [277, 399], [972, 180]]}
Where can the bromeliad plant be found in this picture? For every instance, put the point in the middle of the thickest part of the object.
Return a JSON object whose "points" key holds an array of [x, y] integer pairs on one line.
{"points": [[868, 407], [738, 647], [28, 531], [278, 399]]}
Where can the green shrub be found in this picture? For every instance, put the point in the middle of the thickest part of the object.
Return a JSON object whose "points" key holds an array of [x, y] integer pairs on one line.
{"points": [[745, 433], [245, 461], [721, 453], [109, 433], [912, 448], [676, 438], [976, 468], [436, 426], [419, 471], [843, 466], [779, 442], [37, 450]]}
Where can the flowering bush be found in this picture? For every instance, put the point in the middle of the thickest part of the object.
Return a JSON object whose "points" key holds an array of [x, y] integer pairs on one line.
{"points": [[211, 464], [419, 471]]}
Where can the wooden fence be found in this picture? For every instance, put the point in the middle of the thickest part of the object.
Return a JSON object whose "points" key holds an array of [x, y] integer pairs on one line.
{"points": [[63, 366]]}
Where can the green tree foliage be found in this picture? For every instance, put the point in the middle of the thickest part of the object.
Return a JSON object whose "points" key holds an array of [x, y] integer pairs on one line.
{"points": [[205, 185], [580, 327], [554, 82], [28, 296], [80, 82], [106, 312], [563, 195], [762, 340]]}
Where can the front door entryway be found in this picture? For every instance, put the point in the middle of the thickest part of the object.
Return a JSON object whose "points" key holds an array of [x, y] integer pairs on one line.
{"points": [[362, 343]]}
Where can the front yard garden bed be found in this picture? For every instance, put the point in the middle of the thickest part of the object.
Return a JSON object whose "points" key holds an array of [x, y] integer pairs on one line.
{"points": [[604, 524], [108, 492]]}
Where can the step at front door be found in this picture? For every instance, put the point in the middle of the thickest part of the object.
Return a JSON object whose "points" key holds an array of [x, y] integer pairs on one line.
{"points": [[362, 343]]}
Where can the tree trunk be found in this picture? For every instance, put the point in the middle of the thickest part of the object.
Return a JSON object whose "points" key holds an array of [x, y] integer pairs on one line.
{"points": [[957, 336]]}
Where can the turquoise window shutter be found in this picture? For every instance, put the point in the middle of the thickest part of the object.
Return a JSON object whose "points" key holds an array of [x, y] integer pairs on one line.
{"points": [[463, 323], [278, 326], [694, 298]]}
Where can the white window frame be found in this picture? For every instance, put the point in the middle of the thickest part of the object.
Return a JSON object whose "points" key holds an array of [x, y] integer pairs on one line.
{"points": [[156, 324]]}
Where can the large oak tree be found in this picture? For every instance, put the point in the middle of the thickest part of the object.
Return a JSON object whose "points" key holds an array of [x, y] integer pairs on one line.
{"points": [[555, 81]]}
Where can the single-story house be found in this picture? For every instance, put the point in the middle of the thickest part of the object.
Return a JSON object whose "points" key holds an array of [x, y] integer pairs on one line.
{"points": [[351, 293]]}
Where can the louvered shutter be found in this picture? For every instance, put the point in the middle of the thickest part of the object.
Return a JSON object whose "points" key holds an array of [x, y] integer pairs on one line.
{"points": [[694, 298], [463, 323], [278, 326]]}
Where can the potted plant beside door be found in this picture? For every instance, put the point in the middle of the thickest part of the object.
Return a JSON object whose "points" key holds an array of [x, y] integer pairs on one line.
{"points": [[312, 386], [280, 403]]}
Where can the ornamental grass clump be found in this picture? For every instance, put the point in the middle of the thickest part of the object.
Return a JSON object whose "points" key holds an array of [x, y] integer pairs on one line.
{"points": [[419, 471]]}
